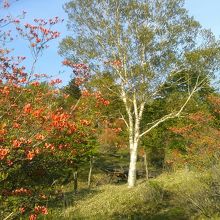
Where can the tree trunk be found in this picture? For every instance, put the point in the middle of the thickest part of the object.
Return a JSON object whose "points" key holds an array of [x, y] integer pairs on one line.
{"points": [[146, 165], [133, 164], [90, 171], [75, 181]]}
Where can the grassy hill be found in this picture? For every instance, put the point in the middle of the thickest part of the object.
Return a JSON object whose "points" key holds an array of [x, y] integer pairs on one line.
{"points": [[180, 195]]}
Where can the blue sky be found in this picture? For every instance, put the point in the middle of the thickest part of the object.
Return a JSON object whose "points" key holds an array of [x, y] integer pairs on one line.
{"points": [[207, 12]]}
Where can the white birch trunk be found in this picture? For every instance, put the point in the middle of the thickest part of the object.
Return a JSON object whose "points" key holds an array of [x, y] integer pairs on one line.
{"points": [[134, 137], [133, 164]]}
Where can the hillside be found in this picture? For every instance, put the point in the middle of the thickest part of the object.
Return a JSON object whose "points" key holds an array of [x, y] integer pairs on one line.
{"points": [[180, 195]]}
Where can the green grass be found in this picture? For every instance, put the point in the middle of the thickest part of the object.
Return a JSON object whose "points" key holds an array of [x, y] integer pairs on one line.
{"points": [[177, 196]]}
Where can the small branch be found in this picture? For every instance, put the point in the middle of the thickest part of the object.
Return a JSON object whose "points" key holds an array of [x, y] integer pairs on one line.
{"points": [[166, 117], [8, 216], [77, 103], [125, 121]]}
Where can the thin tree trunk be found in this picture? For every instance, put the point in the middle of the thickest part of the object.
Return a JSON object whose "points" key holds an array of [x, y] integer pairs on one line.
{"points": [[133, 164], [146, 165], [90, 171], [75, 181], [65, 203]]}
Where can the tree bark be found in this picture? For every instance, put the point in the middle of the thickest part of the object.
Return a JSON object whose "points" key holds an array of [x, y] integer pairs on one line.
{"points": [[90, 171], [75, 181], [146, 165], [133, 164]]}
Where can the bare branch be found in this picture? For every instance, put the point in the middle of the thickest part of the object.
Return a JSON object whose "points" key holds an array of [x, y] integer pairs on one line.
{"points": [[176, 114], [125, 121]]}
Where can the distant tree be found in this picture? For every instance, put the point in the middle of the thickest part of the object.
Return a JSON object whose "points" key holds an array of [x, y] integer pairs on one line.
{"points": [[160, 142], [195, 141], [72, 89]]}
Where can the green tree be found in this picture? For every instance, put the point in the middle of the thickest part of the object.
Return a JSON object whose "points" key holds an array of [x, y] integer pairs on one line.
{"points": [[72, 89], [141, 44], [160, 142]]}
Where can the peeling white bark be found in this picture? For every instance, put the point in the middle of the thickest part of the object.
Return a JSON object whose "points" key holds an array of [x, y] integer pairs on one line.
{"points": [[133, 165]]}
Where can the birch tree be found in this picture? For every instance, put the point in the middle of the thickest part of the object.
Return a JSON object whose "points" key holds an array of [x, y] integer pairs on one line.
{"points": [[142, 44]]}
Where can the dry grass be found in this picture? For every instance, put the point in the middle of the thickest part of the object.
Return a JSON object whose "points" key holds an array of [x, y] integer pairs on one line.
{"points": [[112, 201], [180, 195]]}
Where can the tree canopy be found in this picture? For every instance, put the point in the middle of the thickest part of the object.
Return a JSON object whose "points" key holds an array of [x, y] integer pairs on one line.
{"points": [[143, 45]]}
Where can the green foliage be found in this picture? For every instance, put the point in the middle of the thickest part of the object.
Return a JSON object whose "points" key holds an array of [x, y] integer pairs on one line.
{"points": [[72, 90]]}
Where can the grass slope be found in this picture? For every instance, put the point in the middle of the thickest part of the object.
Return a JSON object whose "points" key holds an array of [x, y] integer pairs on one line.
{"points": [[178, 196]]}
